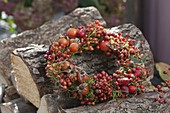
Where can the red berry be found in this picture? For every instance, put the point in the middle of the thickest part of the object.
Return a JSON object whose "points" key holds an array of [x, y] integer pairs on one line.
{"points": [[155, 89], [165, 101], [61, 80], [63, 41], [108, 53], [132, 51], [141, 86], [103, 45], [72, 32], [119, 33], [101, 99], [82, 102], [95, 76], [164, 91], [165, 72], [159, 87], [161, 96], [50, 58], [132, 89], [127, 35], [118, 72], [81, 33], [92, 103], [116, 83], [87, 99], [103, 72], [89, 103], [98, 91], [45, 56], [74, 47], [85, 90], [85, 78], [138, 73], [144, 71], [156, 98], [143, 90], [123, 81], [97, 47], [125, 89], [161, 101]]}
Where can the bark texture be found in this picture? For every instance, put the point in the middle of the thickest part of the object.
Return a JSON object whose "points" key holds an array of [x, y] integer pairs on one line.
{"points": [[17, 106], [29, 74], [29, 70], [43, 35], [28, 66], [143, 103]]}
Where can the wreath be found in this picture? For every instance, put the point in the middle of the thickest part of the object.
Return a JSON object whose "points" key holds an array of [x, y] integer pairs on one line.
{"points": [[90, 89]]}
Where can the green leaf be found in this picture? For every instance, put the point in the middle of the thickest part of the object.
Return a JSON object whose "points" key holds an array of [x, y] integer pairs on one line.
{"points": [[143, 59], [28, 3], [161, 67], [10, 21], [135, 59], [11, 29], [96, 3]]}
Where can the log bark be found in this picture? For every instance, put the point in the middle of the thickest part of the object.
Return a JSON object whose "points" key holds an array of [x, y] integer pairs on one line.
{"points": [[4, 78], [10, 94], [141, 43], [144, 103], [54, 104], [43, 35], [17, 106], [29, 70], [28, 64]]}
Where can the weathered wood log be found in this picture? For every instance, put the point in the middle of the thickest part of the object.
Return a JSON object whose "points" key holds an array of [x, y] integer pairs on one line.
{"points": [[28, 64], [54, 104], [2, 90], [4, 78], [17, 106], [10, 94], [29, 74], [144, 103], [29, 70], [43, 35]]}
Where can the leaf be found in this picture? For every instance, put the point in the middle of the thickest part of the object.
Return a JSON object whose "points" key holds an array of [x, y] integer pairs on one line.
{"points": [[11, 29], [96, 3], [135, 59], [28, 3], [143, 59], [161, 67]]}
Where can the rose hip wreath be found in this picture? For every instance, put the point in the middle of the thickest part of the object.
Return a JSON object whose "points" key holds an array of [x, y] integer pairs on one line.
{"points": [[90, 89]]}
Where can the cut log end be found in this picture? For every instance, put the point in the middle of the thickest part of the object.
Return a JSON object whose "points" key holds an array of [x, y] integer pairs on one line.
{"points": [[25, 84]]}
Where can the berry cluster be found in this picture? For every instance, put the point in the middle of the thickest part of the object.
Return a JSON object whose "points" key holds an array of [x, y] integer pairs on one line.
{"points": [[161, 98], [91, 89], [163, 89], [100, 89]]}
